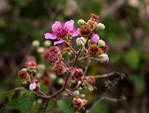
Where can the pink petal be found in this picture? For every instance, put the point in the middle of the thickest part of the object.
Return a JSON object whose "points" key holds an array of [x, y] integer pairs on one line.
{"points": [[69, 26], [56, 27], [50, 36], [58, 42], [76, 32], [32, 86]]}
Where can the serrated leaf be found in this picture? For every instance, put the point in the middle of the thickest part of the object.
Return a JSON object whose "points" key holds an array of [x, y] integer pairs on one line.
{"points": [[9, 94], [26, 101], [63, 105], [13, 104]]}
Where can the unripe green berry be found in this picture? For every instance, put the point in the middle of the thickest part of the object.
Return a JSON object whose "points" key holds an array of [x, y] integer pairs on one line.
{"points": [[101, 43], [100, 26], [35, 43], [47, 43], [81, 22]]}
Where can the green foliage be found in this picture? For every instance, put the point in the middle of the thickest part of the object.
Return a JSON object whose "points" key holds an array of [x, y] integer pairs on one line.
{"points": [[26, 101], [63, 105], [100, 108], [9, 94], [132, 58], [44, 88], [139, 83], [13, 104]]}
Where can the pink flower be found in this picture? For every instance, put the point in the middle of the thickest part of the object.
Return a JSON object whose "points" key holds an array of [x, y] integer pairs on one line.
{"points": [[60, 31], [95, 38]]}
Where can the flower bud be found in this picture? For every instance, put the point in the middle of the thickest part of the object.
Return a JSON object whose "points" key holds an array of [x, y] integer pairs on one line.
{"points": [[31, 66], [38, 75], [40, 50], [53, 76], [101, 43], [70, 35], [60, 81], [39, 101], [52, 58], [90, 80], [81, 22], [95, 38], [104, 58], [82, 95], [41, 67], [80, 88], [100, 26], [76, 93], [81, 42], [59, 69], [47, 43], [35, 43]]}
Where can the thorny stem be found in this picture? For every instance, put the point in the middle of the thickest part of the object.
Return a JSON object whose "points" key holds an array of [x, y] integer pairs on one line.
{"points": [[64, 85], [71, 48]]}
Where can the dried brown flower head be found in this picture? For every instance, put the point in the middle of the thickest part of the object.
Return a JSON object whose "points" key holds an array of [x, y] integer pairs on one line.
{"points": [[23, 74], [95, 18], [78, 103], [94, 50], [105, 48], [85, 31], [78, 73], [59, 69], [46, 81]]}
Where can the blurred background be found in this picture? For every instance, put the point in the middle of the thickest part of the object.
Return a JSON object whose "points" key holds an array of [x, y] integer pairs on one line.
{"points": [[127, 34]]}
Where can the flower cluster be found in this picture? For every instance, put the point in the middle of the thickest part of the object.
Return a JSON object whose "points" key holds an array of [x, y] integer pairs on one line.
{"points": [[58, 63]]}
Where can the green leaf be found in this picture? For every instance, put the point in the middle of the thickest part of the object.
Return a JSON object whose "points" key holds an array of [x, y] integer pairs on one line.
{"points": [[82, 54], [13, 104], [100, 108], [139, 83], [132, 59], [9, 94], [63, 105], [26, 101], [44, 88]]}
